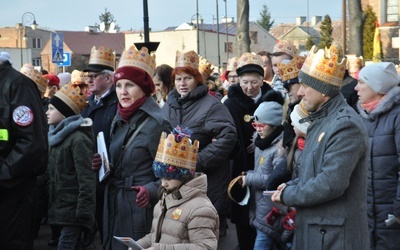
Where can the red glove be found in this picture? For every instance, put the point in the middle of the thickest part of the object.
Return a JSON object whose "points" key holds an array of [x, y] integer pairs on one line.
{"points": [[272, 216], [288, 220], [96, 162], [142, 197]]}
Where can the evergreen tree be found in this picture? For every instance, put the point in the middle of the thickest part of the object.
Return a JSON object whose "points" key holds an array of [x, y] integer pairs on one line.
{"points": [[265, 20], [368, 33], [326, 33], [107, 18], [309, 43]]}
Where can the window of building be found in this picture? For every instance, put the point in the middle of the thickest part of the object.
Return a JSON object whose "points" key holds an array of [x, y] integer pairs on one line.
{"points": [[253, 36], [228, 47], [36, 43], [37, 62], [392, 11]]}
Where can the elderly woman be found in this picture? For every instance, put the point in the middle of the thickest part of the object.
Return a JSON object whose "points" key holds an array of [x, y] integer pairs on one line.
{"points": [[131, 191], [190, 106], [379, 105]]}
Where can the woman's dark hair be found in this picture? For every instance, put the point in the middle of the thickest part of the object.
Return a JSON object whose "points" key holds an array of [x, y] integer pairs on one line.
{"points": [[164, 72]]}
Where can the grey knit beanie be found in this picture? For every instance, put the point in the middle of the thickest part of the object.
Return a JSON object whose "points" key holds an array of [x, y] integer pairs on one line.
{"points": [[381, 76], [269, 113]]}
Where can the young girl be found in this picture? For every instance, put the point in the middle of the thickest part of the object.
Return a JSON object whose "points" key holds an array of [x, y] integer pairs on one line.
{"points": [[184, 218]]}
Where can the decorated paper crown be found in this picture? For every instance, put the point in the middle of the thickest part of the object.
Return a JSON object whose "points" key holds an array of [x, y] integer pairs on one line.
{"points": [[77, 77], [187, 59], [72, 97], [205, 68], [138, 58], [291, 70], [324, 70], [285, 47], [250, 62], [35, 75], [101, 59], [232, 64], [354, 61], [176, 156]]}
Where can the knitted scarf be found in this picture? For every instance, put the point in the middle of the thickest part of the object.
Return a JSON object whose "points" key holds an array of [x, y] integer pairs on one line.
{"points": [[266, 142], [126, 113], [58, 133]]}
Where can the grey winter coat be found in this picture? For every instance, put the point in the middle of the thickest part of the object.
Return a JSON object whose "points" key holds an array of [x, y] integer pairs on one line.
{"points": [[212, 125], [331, 191], [265, 161], [122, 216], [189, 223], [383, 125], [72, 183]]}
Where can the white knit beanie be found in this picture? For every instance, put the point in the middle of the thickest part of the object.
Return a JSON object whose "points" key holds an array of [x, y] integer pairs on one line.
{"points": [[381, 76], [269, 113], [5, 56], [299, 112]]}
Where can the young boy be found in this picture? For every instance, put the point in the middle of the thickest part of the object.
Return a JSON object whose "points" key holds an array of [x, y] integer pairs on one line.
{"points": [[184, 215], [72, 183]]}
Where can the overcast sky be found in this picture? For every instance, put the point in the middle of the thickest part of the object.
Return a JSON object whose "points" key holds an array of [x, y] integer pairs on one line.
{"points": [[74, 15]]}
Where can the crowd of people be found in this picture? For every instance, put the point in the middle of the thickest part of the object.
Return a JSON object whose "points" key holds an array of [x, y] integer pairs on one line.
{"points": [[298, 152]]}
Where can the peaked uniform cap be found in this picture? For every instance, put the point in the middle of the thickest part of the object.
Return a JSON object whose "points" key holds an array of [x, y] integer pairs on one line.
{"points": [[250, 62]]}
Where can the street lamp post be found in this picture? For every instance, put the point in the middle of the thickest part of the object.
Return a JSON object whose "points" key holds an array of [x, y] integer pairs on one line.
{"points": [[219, 53], [27, 17]]}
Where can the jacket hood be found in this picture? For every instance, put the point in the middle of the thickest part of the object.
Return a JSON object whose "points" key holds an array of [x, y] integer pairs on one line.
{"points": [[391, 99], [195, 187]]}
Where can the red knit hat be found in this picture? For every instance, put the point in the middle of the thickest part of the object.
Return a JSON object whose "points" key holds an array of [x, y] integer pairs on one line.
{"points": [[53, 79], [136, 75]]}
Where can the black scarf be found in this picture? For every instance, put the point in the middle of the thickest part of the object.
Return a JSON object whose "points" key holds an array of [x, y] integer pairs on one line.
{"points": [[266, 142]]}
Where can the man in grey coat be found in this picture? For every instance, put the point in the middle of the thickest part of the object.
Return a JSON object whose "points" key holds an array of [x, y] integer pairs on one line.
{"points": [[330, 193]]}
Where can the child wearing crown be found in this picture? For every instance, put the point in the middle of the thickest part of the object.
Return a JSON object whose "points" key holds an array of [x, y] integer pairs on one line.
{"points": [[184, 217], [72, 183]]}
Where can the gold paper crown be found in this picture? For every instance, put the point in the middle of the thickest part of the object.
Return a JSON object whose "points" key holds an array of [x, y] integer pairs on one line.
{"points": [[205, 68], [354, 61], [250, 58], [36, 76], [179, 154], [291, 70], [73, 97], [232, 64], [187, 59], [77, 77], [103, 57], [285, 47], [325, 65], [139, 58]]}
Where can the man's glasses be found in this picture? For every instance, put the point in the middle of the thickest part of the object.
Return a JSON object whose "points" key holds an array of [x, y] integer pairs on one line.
{"points": [[93, 77], [258, 125]]}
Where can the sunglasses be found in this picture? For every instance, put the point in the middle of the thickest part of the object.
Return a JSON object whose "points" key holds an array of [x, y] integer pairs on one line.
{"points": [[258, 125]]}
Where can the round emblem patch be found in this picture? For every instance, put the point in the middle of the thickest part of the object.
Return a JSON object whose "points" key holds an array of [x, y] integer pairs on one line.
{"points": [[23, 116]]}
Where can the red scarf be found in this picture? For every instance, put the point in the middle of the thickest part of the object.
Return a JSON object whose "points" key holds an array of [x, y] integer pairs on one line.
{"points": [[126, 113], [300, 143]]}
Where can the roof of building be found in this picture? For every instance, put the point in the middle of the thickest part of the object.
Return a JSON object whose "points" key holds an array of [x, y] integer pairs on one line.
{"points": [[81, 42]]}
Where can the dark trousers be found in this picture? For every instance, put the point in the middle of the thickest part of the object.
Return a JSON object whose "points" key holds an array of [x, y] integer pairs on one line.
{"points": [[70, 238], [17, 209], [246, 236]]}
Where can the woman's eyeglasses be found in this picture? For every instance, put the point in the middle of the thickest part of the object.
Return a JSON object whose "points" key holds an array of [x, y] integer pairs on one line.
{"points": [[258, 125]]}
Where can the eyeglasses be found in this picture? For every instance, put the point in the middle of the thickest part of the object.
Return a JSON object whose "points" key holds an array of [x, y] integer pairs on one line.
{"points": [[94, 76], [258, 125]]}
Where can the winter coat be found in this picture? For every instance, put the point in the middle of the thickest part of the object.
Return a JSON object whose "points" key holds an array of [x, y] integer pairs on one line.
{"points": [[190, 222], [213, 127], [331, 191], [122, 216], [23, 128], [383, 127], [261, 205], [102, 114], [72, 183], [241, 105]]}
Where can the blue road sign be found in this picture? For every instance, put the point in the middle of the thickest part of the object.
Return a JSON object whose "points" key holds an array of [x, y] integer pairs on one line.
{"points": [[66, 60], [57, 47]]}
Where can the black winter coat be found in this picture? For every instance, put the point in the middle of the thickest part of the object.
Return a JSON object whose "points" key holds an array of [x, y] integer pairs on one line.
{"points": [[213, 127]]}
